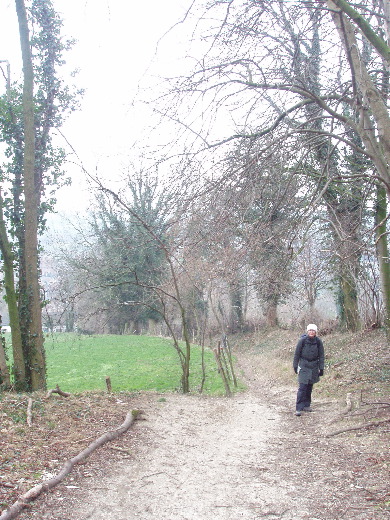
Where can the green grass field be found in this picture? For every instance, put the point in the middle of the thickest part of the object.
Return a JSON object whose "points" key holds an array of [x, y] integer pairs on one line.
{"points": [[78, 363]]}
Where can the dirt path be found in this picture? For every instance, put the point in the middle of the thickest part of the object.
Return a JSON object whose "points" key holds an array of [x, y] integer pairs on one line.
{"points": [[245, 458]]}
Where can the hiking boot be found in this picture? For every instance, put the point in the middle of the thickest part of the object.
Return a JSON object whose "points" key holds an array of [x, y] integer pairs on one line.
{"points": [[307, 409], [298, 412]]}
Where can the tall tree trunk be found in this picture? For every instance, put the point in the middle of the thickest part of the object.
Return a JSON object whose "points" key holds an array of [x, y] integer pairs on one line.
{"points": [[12, 303], [237, 322], [36, 353], [345, 225], [271, 312], [345, 215], [383, 251], [348, 300]]}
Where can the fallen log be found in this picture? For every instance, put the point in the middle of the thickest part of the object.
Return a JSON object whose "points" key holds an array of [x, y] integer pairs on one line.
{"points": [[33, 493]]}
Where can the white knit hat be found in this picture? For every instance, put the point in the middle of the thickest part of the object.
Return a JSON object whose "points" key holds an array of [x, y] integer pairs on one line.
{"points": [[311, 326]]}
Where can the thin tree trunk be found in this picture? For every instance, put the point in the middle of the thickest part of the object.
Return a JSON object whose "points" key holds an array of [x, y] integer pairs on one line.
{"points": [[31, 194], [186, 337], [5, 379], [237, 315], [271, 313], [12, 303]]}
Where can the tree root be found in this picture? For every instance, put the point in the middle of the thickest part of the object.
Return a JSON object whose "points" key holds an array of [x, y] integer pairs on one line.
{"points": [[352, 428], [33, 493]]}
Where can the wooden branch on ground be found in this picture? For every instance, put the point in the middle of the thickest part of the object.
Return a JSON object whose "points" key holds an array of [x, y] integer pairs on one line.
{"points": [[376, 403], [352, 428], [29, 411], [45, 486], [57, 390], [373, 403]]}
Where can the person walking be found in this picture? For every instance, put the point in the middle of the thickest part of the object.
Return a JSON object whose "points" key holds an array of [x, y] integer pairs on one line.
{"points": [[309, 365]]}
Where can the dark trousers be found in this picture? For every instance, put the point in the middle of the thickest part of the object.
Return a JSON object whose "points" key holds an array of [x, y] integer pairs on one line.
{"points": [[304, 396]]}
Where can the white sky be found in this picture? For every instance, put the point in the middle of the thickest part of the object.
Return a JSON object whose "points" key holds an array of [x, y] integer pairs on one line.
{"points": [[116, 49]]}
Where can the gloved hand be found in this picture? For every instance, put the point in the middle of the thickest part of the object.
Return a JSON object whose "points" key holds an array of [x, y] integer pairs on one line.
{"points": [[321, 372], [296, 370]]}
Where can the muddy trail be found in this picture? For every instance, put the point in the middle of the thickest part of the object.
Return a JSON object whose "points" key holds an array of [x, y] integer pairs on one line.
{"points": [[247, 457]]}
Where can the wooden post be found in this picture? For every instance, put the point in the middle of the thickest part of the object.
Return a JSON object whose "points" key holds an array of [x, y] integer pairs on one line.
{"points": [[29, 411], [108, 384], [230, 357]]}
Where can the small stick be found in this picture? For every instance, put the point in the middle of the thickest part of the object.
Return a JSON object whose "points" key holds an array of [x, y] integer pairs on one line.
{"points": [[360, 427], [108, 384], [57, 390], [349, 403], [29, 411], [122, 450]]}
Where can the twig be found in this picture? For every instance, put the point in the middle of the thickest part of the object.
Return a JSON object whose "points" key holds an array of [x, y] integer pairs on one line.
{"points": [[368, 402], [359, 427], [56, 390], [376, 409], [376, 404], [122, 450]]}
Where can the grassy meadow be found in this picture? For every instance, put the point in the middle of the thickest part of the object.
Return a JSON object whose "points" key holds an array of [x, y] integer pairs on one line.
{"points": [[80, 363]]}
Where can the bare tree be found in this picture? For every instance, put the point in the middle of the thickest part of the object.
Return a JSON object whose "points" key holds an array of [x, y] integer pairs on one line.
{"points": [[263, 67]]}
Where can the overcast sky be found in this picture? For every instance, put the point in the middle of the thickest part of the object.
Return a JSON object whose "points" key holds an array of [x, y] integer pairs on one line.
{"points": [[120, 47]]}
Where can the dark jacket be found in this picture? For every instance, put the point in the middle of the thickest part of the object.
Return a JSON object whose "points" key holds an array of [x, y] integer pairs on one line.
{"points": [[309, 359]]}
